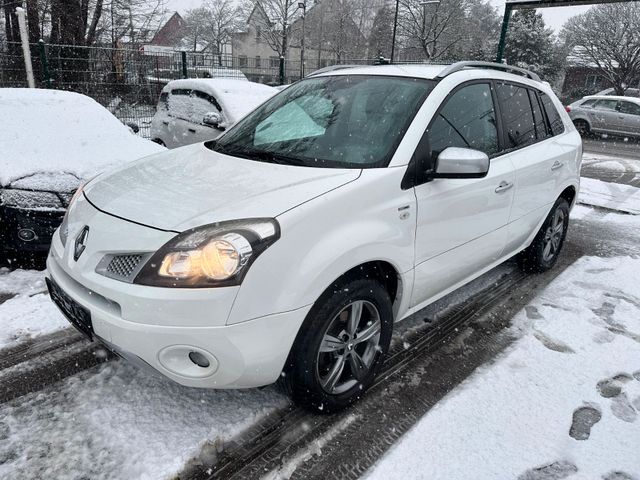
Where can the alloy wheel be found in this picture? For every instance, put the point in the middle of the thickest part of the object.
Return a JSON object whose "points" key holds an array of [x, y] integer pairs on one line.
{"points": [[553, 236], [349, 347]]}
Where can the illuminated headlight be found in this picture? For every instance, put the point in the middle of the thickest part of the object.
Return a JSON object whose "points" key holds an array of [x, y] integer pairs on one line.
{"points": [[210, 256]]}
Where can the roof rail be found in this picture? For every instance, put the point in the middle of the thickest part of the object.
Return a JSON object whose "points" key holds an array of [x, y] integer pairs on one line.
{"points": [[458, 66], [331, 68]]}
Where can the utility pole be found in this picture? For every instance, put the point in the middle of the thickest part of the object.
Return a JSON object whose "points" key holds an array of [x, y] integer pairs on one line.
{"points": [[395, 27], [303, 6], [508, 8]]}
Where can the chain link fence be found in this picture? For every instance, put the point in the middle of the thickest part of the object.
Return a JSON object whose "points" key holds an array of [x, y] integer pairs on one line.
{"points": [[128, 81]]}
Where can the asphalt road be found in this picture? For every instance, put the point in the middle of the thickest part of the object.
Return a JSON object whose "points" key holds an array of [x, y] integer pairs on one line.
{"points": [[628, 148]]}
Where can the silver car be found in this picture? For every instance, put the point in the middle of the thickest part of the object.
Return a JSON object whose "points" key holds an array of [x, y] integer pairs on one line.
{"points": [[606, 114]]}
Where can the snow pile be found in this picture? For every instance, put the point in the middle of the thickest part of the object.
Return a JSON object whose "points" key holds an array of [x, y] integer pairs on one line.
{"points": [[116, 422], [26, 282], [610, 162], [24, 317], [615, 196], [30, 313], [564, 399], [55, 131]]}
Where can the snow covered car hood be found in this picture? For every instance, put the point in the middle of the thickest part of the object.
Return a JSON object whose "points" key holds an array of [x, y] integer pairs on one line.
{"points": [[192, 186], [56, 134]]}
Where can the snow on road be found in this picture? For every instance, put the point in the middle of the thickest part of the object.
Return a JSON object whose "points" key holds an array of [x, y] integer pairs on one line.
{"points": [[117, 422], [623, 198], [30, 312], [564, 399]]}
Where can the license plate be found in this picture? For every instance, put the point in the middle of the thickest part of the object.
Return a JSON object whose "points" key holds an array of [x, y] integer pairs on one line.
{"points": [[77, 315]]}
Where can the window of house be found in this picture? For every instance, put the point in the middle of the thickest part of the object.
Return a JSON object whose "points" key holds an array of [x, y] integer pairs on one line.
{"points": [[242, 61], [592, 81], [467, 120], [274, 62], [517, 115], [258, 61]]}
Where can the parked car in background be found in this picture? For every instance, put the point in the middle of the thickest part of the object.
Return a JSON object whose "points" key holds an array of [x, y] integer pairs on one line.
{"points": [[629, 92], [288, 247], [606, 114], [196, 110], [50, 142]]}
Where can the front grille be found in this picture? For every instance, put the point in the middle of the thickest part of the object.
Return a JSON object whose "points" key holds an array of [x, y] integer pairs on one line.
{"points": [[122, 267]]}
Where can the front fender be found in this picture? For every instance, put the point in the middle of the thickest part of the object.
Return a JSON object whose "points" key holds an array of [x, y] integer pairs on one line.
{"points": [[324, 238]]}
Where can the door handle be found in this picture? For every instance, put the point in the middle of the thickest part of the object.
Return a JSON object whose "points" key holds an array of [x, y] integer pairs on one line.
{"points": [[165, 123], [192, 130], [556, 165], [503, 187]]}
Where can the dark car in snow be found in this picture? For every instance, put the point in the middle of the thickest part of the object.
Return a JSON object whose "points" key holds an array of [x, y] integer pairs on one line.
{"points": [[75, 138]]}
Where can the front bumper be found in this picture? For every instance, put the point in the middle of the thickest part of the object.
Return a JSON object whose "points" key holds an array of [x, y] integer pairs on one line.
{"points": [[163, 326]]}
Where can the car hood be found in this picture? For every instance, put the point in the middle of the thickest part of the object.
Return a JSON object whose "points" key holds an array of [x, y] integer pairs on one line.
{"points": [[192, 186]]}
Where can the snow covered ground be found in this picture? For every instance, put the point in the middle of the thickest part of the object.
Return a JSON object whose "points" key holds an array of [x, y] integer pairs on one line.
{"points": [[29, 312], [564, 400], [614, 196], [117, 422]]}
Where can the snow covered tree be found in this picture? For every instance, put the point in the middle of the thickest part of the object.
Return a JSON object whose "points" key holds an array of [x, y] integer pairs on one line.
{"points": [[381, 33], [531, 45], [606, 38]]}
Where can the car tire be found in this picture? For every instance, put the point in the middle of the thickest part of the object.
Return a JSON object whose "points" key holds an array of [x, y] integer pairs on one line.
{"points": [[340, 346], [583, 128], [543, 252], [158, 141]]}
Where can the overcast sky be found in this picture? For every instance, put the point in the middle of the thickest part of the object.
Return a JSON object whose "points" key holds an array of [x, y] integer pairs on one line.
{"points": [[554, 17]]}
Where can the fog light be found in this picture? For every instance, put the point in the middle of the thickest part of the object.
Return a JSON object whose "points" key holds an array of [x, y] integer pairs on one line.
{"points": [[26, 235], [199, 359]]}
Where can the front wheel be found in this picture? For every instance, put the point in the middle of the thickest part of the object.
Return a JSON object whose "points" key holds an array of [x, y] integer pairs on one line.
{"points": [[543, 252], [340, 347]]}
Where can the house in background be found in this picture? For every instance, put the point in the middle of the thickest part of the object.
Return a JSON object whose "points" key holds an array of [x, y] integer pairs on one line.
{"points": [[330, 36]]}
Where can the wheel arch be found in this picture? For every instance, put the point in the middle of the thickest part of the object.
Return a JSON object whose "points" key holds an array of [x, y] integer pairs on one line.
{"points": [[569, 194]]}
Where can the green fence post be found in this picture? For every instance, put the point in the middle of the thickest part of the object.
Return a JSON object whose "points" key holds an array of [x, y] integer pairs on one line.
{"points": [[44, 64], [281, 72], [184, 64], [503, 33]]}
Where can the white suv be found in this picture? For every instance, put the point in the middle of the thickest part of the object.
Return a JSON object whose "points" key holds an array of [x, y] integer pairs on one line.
{"points": [[288, 247]]}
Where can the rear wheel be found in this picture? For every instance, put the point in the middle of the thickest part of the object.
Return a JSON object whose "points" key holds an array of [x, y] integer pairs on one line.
{"points": [[543, 252], [340, 347], [582, 127]]}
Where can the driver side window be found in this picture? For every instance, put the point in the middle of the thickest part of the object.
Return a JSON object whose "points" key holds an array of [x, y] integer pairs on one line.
{"points": [[467, 120]]}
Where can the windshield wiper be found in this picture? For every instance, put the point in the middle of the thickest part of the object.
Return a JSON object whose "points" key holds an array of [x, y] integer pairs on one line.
{"points": [[261, 155]]}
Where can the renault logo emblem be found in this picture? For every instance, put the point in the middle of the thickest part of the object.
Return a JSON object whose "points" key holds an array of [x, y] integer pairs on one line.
{"points": [[81, 243]]}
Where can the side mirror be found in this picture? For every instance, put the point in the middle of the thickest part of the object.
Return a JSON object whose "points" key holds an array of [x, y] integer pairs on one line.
{"points": [[213, 119], [454, 162]]}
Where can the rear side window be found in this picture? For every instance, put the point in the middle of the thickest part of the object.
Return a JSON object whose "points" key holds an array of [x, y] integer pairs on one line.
{"points": [[555, 121], [466, 120], [588, 103], [163, 101], [629, 108], [607, 104], [538, 117], [517, 115]]}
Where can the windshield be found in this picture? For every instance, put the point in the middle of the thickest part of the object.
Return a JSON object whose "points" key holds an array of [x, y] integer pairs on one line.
{"points": [[339, 121]]}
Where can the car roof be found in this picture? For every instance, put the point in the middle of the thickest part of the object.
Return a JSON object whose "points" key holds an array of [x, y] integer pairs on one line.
{"points": [[438, 72], [612, 97]]}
